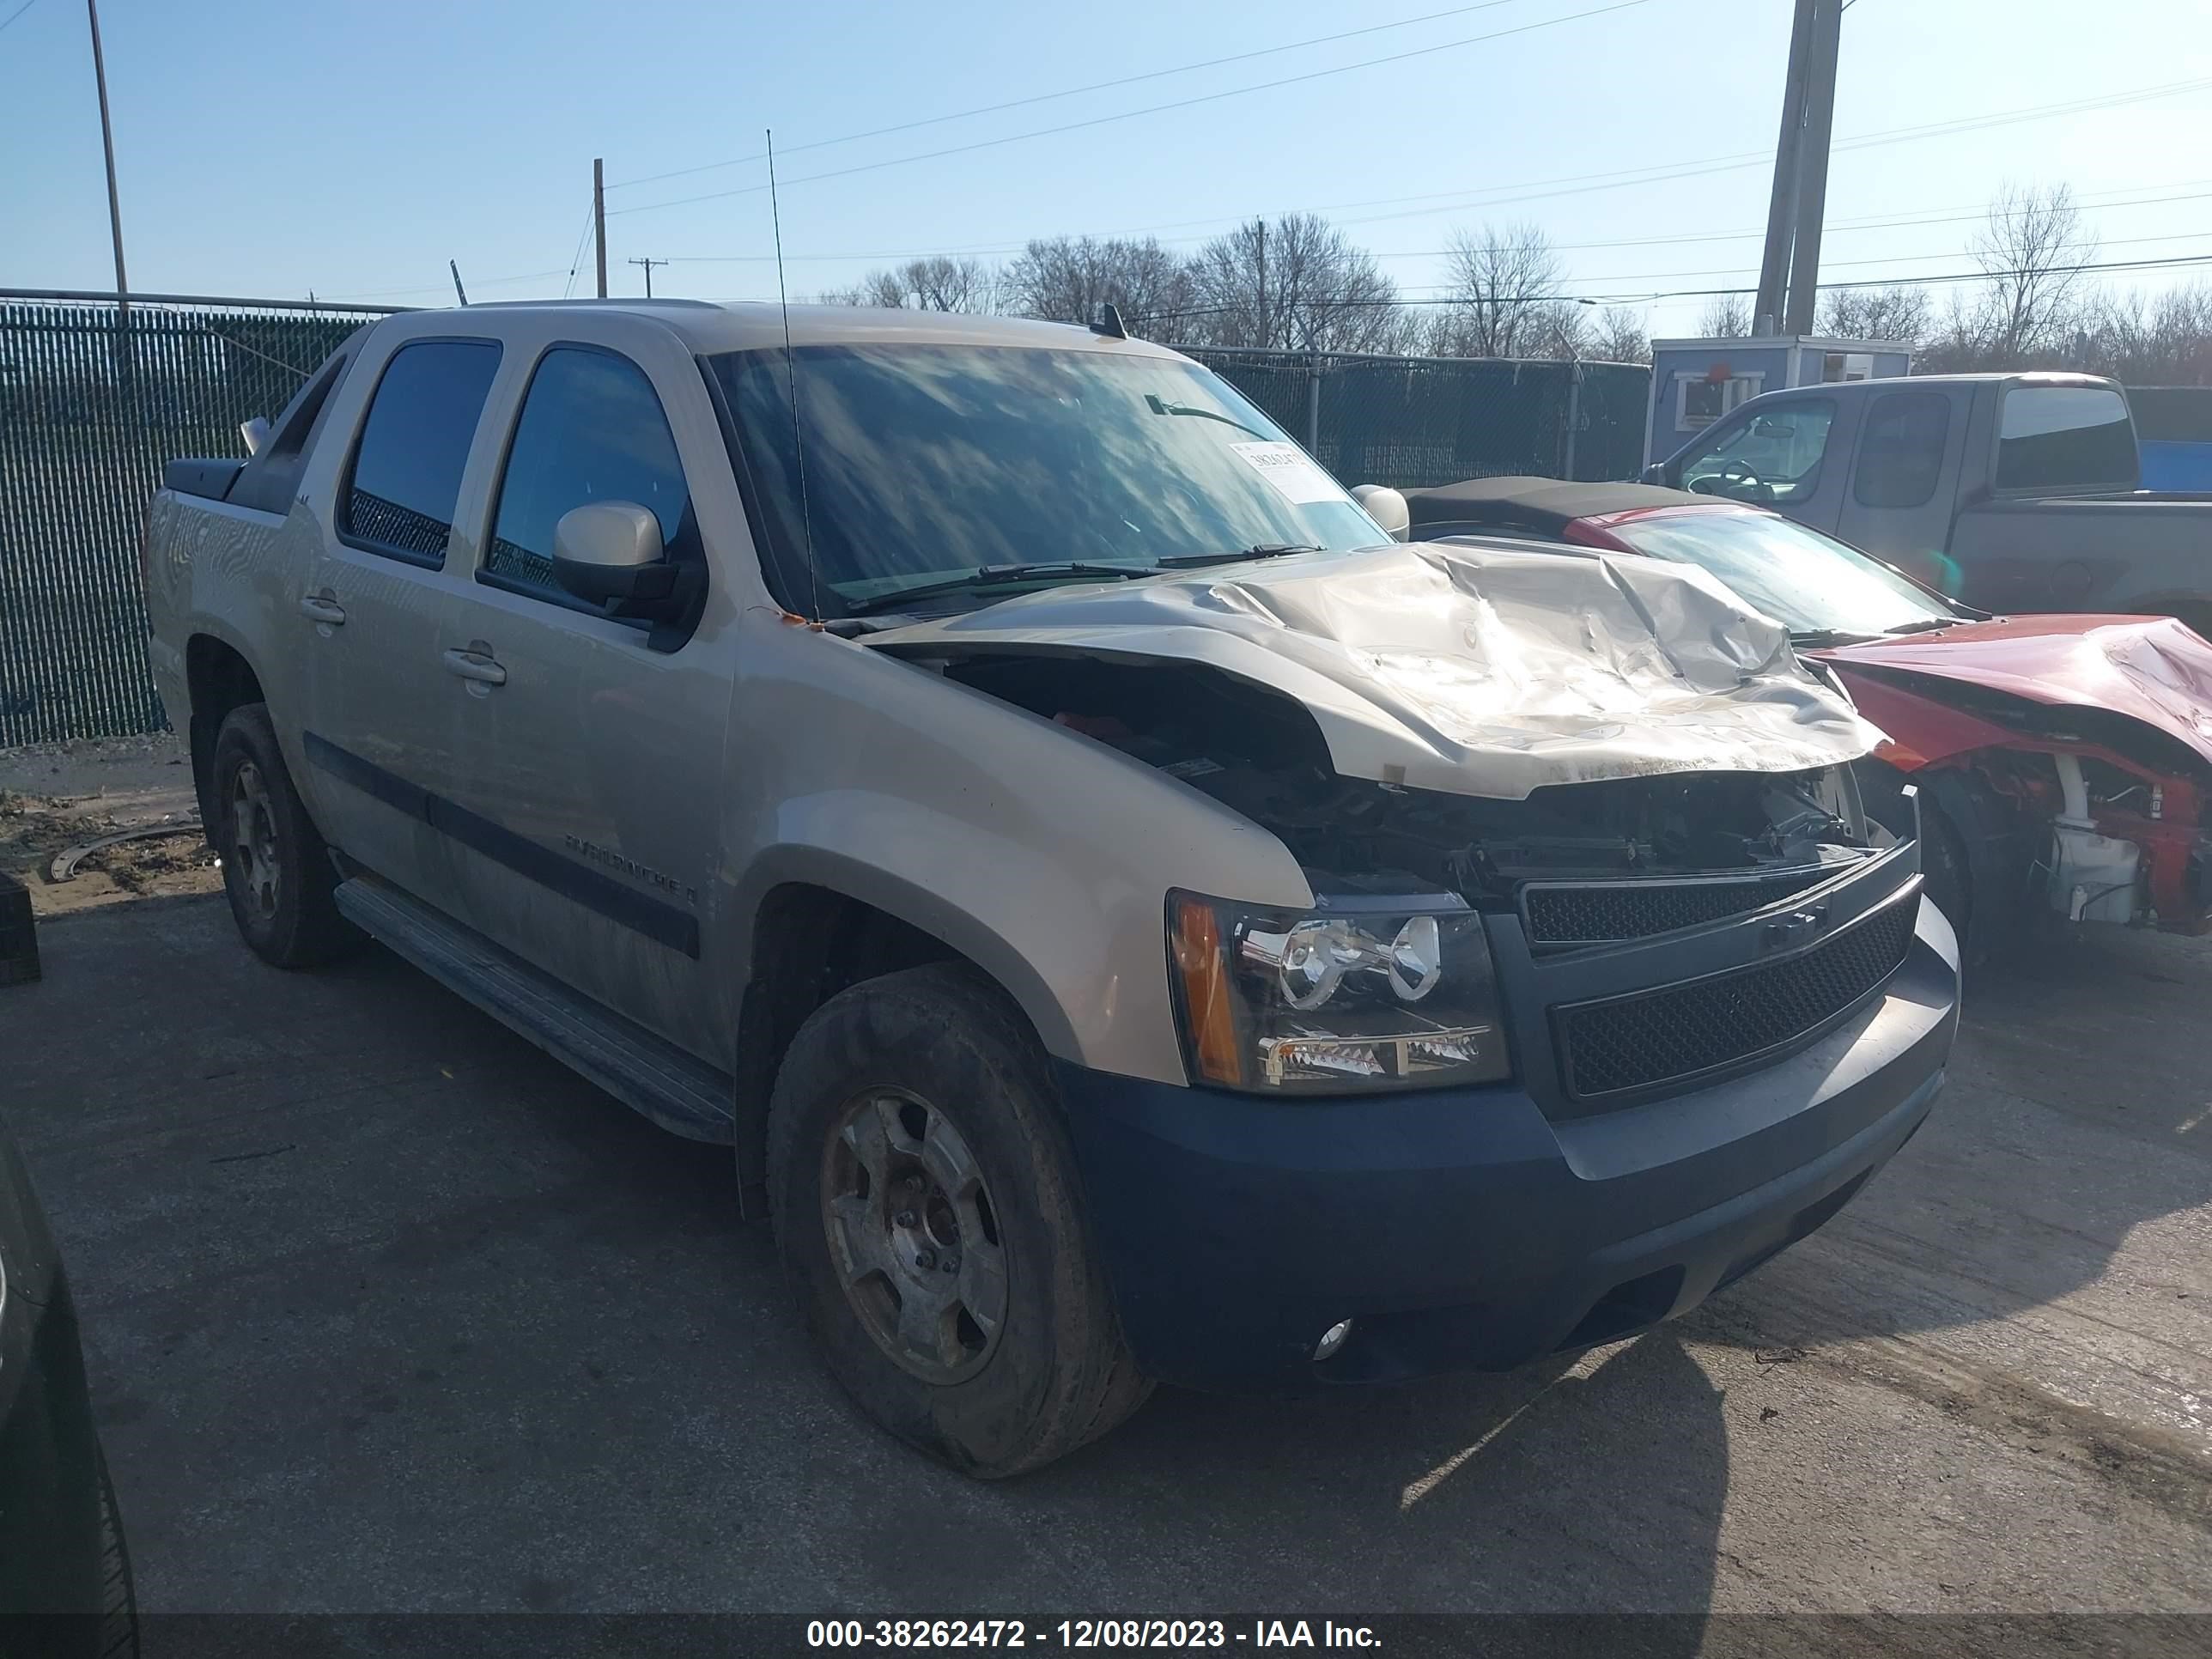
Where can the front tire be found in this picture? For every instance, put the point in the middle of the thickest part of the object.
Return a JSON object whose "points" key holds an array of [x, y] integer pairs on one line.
{"points": [[1946, 878], [276, 871], [925, 1209]]}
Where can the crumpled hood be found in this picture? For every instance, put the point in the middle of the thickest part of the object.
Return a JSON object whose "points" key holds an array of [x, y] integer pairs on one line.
{"points": [[1458, 666], [2151, 668]]}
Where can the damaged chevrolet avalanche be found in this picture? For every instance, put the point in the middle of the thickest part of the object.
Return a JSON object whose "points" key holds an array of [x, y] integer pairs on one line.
{"points": [[1132, 919]]}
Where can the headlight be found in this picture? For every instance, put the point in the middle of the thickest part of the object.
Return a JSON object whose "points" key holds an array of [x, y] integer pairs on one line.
{"points": [[1334, 999]]}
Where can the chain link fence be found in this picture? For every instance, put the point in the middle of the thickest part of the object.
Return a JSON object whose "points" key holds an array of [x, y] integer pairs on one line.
{"points": [[93, 398], [1412, 422]]}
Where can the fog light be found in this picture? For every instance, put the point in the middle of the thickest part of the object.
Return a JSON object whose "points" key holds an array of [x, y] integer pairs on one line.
{"points": [[1333, 1339]]}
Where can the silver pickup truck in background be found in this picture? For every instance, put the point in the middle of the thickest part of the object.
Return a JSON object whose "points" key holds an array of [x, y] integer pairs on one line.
{"points": [[1132, 919], [2009, 493]]}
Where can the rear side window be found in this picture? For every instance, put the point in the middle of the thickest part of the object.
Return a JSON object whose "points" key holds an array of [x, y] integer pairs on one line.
{"points": [[2065, 437], [406, 475], [1901, 453], [592, 429]]}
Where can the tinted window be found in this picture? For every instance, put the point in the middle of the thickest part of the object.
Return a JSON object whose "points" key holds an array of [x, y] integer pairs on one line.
{"points": [[407, 469], [1773, 457], [925, 463], [1808, 582], [1901, 451], [2065, 437], [592, 430]]}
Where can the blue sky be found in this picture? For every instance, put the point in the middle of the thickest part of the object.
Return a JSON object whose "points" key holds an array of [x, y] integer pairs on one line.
{"points": [[269, 149]]}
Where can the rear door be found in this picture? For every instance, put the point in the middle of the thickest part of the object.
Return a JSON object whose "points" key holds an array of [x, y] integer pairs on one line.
{"points": [[590, 755], [1898, 506], [379, 611]]}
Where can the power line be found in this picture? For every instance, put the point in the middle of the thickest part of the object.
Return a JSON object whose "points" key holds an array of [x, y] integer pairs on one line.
{"points": [[1537, 189], [1154, 109], [576, 260], [2090, 203], [1071, 92], [18, 12], [2192, 259]]}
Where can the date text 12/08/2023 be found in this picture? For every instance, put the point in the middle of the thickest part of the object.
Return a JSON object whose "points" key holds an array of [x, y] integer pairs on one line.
{"points": [[934, 1633]]}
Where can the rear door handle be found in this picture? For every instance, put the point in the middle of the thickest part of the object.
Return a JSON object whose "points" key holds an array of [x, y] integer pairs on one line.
{"points": [[315, 608], [475, 663]]}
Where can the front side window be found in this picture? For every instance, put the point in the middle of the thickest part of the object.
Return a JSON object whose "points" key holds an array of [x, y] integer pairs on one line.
{"points": [[924, 464], [1773, 457], [592, 429], [1810, 583], [1901, 453], [2065, 437], [406, 474]]}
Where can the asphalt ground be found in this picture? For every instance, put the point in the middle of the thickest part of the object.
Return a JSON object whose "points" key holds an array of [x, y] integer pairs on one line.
{"points": [[386, 1311]]}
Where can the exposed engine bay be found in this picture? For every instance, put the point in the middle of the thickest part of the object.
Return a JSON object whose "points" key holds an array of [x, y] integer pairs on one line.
{"points": [[2079, 813], [1262, 755]]}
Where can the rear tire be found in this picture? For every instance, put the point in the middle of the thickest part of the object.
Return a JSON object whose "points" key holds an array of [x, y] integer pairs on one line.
{"points": [[914, 1124], [277, 870]]}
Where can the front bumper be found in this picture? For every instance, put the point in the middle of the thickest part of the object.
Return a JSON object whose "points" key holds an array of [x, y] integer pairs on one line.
{"points": [[1465, 1229]]}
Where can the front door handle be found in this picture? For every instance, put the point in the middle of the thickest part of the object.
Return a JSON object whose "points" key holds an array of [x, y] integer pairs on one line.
{"points": [[475, 663], [317, 609]]}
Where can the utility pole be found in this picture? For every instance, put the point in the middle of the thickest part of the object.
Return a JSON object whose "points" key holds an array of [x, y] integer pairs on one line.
{"points": [[600, 217], [1813, 167], [108, 142], [1782, 204], [1789, 266], [459, 293], [648, 265]]}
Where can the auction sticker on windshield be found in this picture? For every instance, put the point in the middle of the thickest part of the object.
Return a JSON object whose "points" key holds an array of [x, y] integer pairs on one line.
{"points": [[1291, 472]]}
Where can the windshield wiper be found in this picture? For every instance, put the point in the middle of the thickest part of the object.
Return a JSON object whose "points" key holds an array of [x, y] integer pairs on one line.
{"points": [[1819, 639], [1160, 406], [990, 575], [1927, 625], [1264, 550]]}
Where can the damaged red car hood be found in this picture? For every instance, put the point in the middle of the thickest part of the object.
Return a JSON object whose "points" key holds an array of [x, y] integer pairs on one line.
{"points": [[2153, 669]]}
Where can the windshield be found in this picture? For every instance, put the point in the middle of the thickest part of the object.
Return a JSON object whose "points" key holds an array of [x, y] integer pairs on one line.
{"points": [[926, 463], [1808, 582]]}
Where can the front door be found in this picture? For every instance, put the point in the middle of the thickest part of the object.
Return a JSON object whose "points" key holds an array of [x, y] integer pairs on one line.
{"points": [[589, 752], [377, 613], [1770, 454]]}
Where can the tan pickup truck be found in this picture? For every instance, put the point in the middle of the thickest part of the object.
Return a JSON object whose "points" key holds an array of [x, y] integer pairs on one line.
{"points": [[1132, 918]]}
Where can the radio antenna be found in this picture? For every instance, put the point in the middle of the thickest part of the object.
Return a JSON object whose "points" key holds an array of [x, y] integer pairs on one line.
{"points": [[791, 374]]}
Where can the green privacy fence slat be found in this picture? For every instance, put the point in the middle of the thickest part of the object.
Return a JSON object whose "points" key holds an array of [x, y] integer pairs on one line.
{"points": [[93, 400], [1412, 422]]}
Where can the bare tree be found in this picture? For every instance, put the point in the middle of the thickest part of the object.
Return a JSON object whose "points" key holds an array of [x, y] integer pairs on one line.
{"points": [[2165, 340], [1620, 335], [1505, 301], [1726, 317], [1900, 312], [1297, 283], [1066, 278], [2031, 248], [937, 283]]}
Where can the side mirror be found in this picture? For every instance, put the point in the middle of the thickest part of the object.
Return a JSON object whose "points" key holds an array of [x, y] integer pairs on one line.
{"points": [[1386, 506], [1654, 474], [607, 551], [256, 434]]}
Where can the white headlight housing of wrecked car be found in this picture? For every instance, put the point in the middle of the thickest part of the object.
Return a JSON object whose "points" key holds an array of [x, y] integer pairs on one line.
{"points": [[1372, 994]]}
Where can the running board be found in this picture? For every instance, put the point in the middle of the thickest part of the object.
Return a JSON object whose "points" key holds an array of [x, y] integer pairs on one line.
{"points": [[682, 1095]]}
